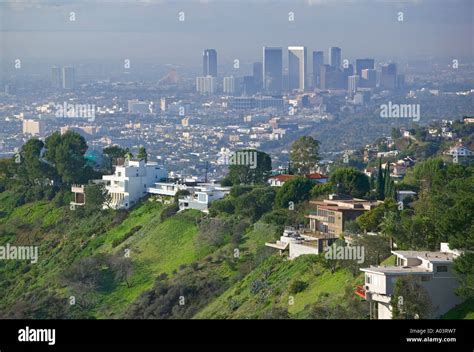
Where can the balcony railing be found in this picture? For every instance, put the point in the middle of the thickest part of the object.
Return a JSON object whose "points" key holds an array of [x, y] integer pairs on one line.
{"points": [[360, 291]]}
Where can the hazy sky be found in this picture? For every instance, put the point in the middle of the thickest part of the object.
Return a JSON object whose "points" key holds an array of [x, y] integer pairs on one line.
{"points": [[115, 30]]}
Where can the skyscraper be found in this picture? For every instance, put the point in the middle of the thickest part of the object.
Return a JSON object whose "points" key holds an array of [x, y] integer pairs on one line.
{"points": [[335, 56], [318, 60], [272, 70], [258, 76], [297, 62], [69, 80], [364, 64], [56, 81], [209, 63]]}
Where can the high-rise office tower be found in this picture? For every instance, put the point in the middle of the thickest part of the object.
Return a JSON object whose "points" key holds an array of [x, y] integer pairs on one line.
{"points": [[297, 67], [258, 76], [335, 56], [209, 63], [369, 78], [69, 80], [388, 76], [272, 70], [364, 64], [56, 81], [229, 85], [318, 60]]}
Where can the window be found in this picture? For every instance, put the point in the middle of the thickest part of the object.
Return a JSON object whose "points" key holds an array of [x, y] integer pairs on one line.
{"points": [[442, 269], [368, 279]]}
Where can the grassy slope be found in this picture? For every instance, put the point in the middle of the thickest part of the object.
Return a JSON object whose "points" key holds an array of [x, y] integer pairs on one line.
{"points": [[158, 247], [283, 272]]}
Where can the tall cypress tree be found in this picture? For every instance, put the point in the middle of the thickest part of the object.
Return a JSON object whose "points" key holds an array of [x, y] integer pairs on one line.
{"points": [[387, 181], [380, 187]]}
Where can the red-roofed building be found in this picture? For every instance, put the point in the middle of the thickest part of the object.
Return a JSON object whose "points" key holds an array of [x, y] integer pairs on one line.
{"points": [[279, 180]]}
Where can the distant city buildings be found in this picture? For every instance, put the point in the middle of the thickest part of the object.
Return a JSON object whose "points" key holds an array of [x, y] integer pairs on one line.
{"points": [[63, 78]]}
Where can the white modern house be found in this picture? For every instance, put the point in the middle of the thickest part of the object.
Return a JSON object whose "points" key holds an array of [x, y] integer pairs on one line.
{"points": [[297, 243], [166, 189], [201, 197], [433, 270], [131, 181]]}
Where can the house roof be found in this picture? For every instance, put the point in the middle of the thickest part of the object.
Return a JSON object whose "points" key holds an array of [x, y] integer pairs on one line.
{"points": [[315, 176], [282, 177]]}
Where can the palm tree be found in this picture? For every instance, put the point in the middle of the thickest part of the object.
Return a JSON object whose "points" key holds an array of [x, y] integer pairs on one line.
{"points": [[389, 226]]}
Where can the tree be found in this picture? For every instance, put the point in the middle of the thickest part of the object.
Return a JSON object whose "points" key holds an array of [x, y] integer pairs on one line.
{"points": [[304, 154], [96, 195], [142, 154], [410, 300], [295, 190], [113, 153], [66, 153], [32, 170], [351, 181], [250, 174]]}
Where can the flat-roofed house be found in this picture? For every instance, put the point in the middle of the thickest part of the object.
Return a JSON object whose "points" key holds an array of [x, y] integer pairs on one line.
{"points": [[332, 214], [433, 270]]}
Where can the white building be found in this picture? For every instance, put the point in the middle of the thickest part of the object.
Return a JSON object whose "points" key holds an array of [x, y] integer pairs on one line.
{"points": [[433, 270], [201, 197], [459, 150], [353, 83], [297, 67], [131, 181], [138, 107], [206, 84], [229, 85], [167, 189], [33, 127]]}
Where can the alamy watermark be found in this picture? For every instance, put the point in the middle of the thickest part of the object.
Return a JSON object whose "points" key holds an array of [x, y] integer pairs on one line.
{"points": [[403, 111], [356, 253], [86, 111], [244, 158], [9, 252]]}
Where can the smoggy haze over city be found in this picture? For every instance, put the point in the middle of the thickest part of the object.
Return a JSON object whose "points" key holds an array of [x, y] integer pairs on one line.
{"points": [[150, 30]]}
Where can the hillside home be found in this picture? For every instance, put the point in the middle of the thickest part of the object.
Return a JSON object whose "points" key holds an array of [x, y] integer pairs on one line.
{"points": [[297, 243], [201, 197], [459, 150], [131, 181], [332, 214], [433, 270]]}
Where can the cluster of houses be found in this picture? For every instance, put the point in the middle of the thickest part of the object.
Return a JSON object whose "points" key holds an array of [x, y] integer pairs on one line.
{"points": [[135, 179]]}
